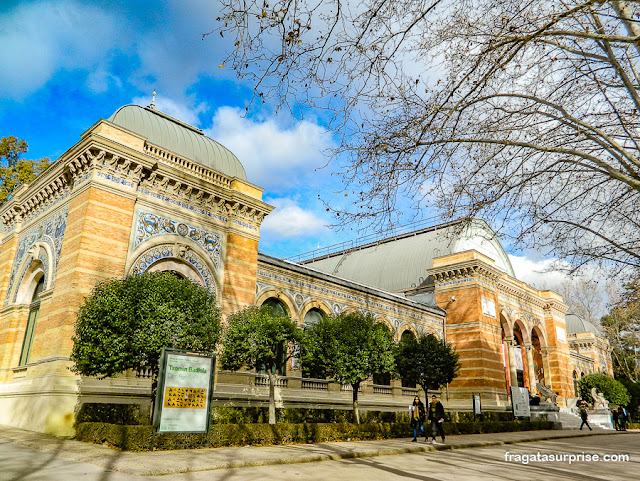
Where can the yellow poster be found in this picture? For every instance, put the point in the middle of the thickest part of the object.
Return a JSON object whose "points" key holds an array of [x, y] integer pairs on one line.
{"points": [[185, 397]]}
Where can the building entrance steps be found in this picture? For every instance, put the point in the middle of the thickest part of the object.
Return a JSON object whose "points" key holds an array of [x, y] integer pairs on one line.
{"points": [[189, 460]]}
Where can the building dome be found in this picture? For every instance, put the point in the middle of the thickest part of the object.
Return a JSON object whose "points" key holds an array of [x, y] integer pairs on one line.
{"points": [[178, 137], [577, 325]]}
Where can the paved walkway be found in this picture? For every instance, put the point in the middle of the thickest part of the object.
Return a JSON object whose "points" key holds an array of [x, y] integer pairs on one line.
{"points": [[190, 460]]}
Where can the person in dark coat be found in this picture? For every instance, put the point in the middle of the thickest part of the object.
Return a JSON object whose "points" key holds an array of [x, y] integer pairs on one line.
{"points": [[436, 416], [622, 419], [584, 415], [418, 416]]}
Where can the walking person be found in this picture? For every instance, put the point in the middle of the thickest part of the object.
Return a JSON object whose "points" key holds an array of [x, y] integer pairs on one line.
{"points": [[436, 416], [622, 419], [418, 416], [584, 415]]}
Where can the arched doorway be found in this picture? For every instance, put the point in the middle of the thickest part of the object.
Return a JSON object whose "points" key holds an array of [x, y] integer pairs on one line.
{"points": [[408, 336], [538, 362], [518, 356], [277, 307]]}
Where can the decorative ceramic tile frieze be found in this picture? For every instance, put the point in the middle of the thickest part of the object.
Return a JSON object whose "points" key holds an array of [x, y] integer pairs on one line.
{"points": [[116, 179], [149, 225], [183, 204], [341, 294], [150, 257], [49, 231]]}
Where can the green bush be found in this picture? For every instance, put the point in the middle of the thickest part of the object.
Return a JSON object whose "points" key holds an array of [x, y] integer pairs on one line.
{"points": [[141, 438], [130, 414], [613, 391], [112, 413]]}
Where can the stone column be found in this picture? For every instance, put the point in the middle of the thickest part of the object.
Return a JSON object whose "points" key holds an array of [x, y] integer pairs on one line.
{"points": [[531, 368], [512, 363], [546, 366]]}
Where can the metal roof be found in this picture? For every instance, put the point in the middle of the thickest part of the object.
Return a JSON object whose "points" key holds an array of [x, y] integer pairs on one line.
{"points": [[400, 263], [178, 137], [576, 325]]}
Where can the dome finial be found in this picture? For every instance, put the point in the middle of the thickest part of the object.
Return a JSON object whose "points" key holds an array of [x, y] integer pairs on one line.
{"points": [[152, 105]]}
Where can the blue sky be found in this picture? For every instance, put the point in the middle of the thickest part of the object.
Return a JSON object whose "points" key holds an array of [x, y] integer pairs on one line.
{"points": [[65, 64]]}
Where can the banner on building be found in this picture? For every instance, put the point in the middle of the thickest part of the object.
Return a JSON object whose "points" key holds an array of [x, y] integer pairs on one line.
{"points": [[520, 402], [183, 398]]}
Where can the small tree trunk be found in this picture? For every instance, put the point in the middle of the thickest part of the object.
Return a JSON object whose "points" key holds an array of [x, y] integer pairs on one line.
{"points": [[272, 397], [355, 387]]}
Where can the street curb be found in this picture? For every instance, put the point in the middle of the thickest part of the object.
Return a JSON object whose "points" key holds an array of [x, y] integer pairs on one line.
{"points": [[357, 455]]}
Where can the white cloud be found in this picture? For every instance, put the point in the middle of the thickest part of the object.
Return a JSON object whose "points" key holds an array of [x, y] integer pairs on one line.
{"points": [[541, 274], [40, 39], [290, 220], [271, 154]]}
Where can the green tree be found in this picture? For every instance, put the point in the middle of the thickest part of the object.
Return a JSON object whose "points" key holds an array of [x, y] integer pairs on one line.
{"points": [[125, 323], [614, 391], [427, 361], [15, 171], [350, 347], [260, 338]]}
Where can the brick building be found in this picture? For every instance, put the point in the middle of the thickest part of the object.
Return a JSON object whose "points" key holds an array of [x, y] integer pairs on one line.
{"points": [[143, 191]]}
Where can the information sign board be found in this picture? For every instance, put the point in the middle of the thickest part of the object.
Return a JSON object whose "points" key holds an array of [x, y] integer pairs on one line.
{"points": [[477, 409], [520, 402], [183, 399]]}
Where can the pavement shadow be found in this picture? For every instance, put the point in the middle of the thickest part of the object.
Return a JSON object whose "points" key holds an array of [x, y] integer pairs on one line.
{"points": [[33, 461]]}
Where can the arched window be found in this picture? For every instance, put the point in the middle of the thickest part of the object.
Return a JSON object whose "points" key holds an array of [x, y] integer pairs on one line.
{"points": [[31, 322], [313, 316], [276, 306]]}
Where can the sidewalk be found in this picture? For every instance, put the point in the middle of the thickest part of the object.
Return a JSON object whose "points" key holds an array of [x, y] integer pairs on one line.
{"points": [[190, 460]]}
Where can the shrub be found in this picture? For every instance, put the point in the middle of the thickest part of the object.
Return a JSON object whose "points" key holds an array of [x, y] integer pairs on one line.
{"points": [[112, 413], [141, 438], [614, 391]]}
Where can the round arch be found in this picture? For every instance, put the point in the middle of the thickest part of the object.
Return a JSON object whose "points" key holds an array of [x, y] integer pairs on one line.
{"points": [[282, 297], [36, 264], [506, 324], [314, 303], [184, 269], [537, 330], [388, 323], [520, 326], [185, 257]]}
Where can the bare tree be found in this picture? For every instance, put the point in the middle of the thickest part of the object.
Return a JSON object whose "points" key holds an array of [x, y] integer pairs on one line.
{"points": [[523, 112], [622, 327], [584, 297]]}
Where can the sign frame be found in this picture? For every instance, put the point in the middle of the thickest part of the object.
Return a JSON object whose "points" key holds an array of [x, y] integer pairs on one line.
{"points": [[477, 404], [523, 394], [158, 405]]}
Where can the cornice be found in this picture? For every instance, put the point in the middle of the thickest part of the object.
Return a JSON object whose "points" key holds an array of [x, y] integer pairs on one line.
{"points": [[197, 188], [468, 269]]}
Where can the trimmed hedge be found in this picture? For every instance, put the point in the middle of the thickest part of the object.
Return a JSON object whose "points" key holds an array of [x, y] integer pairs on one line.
{"points": [[129, 414], [112, 413], [141, 438]]}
